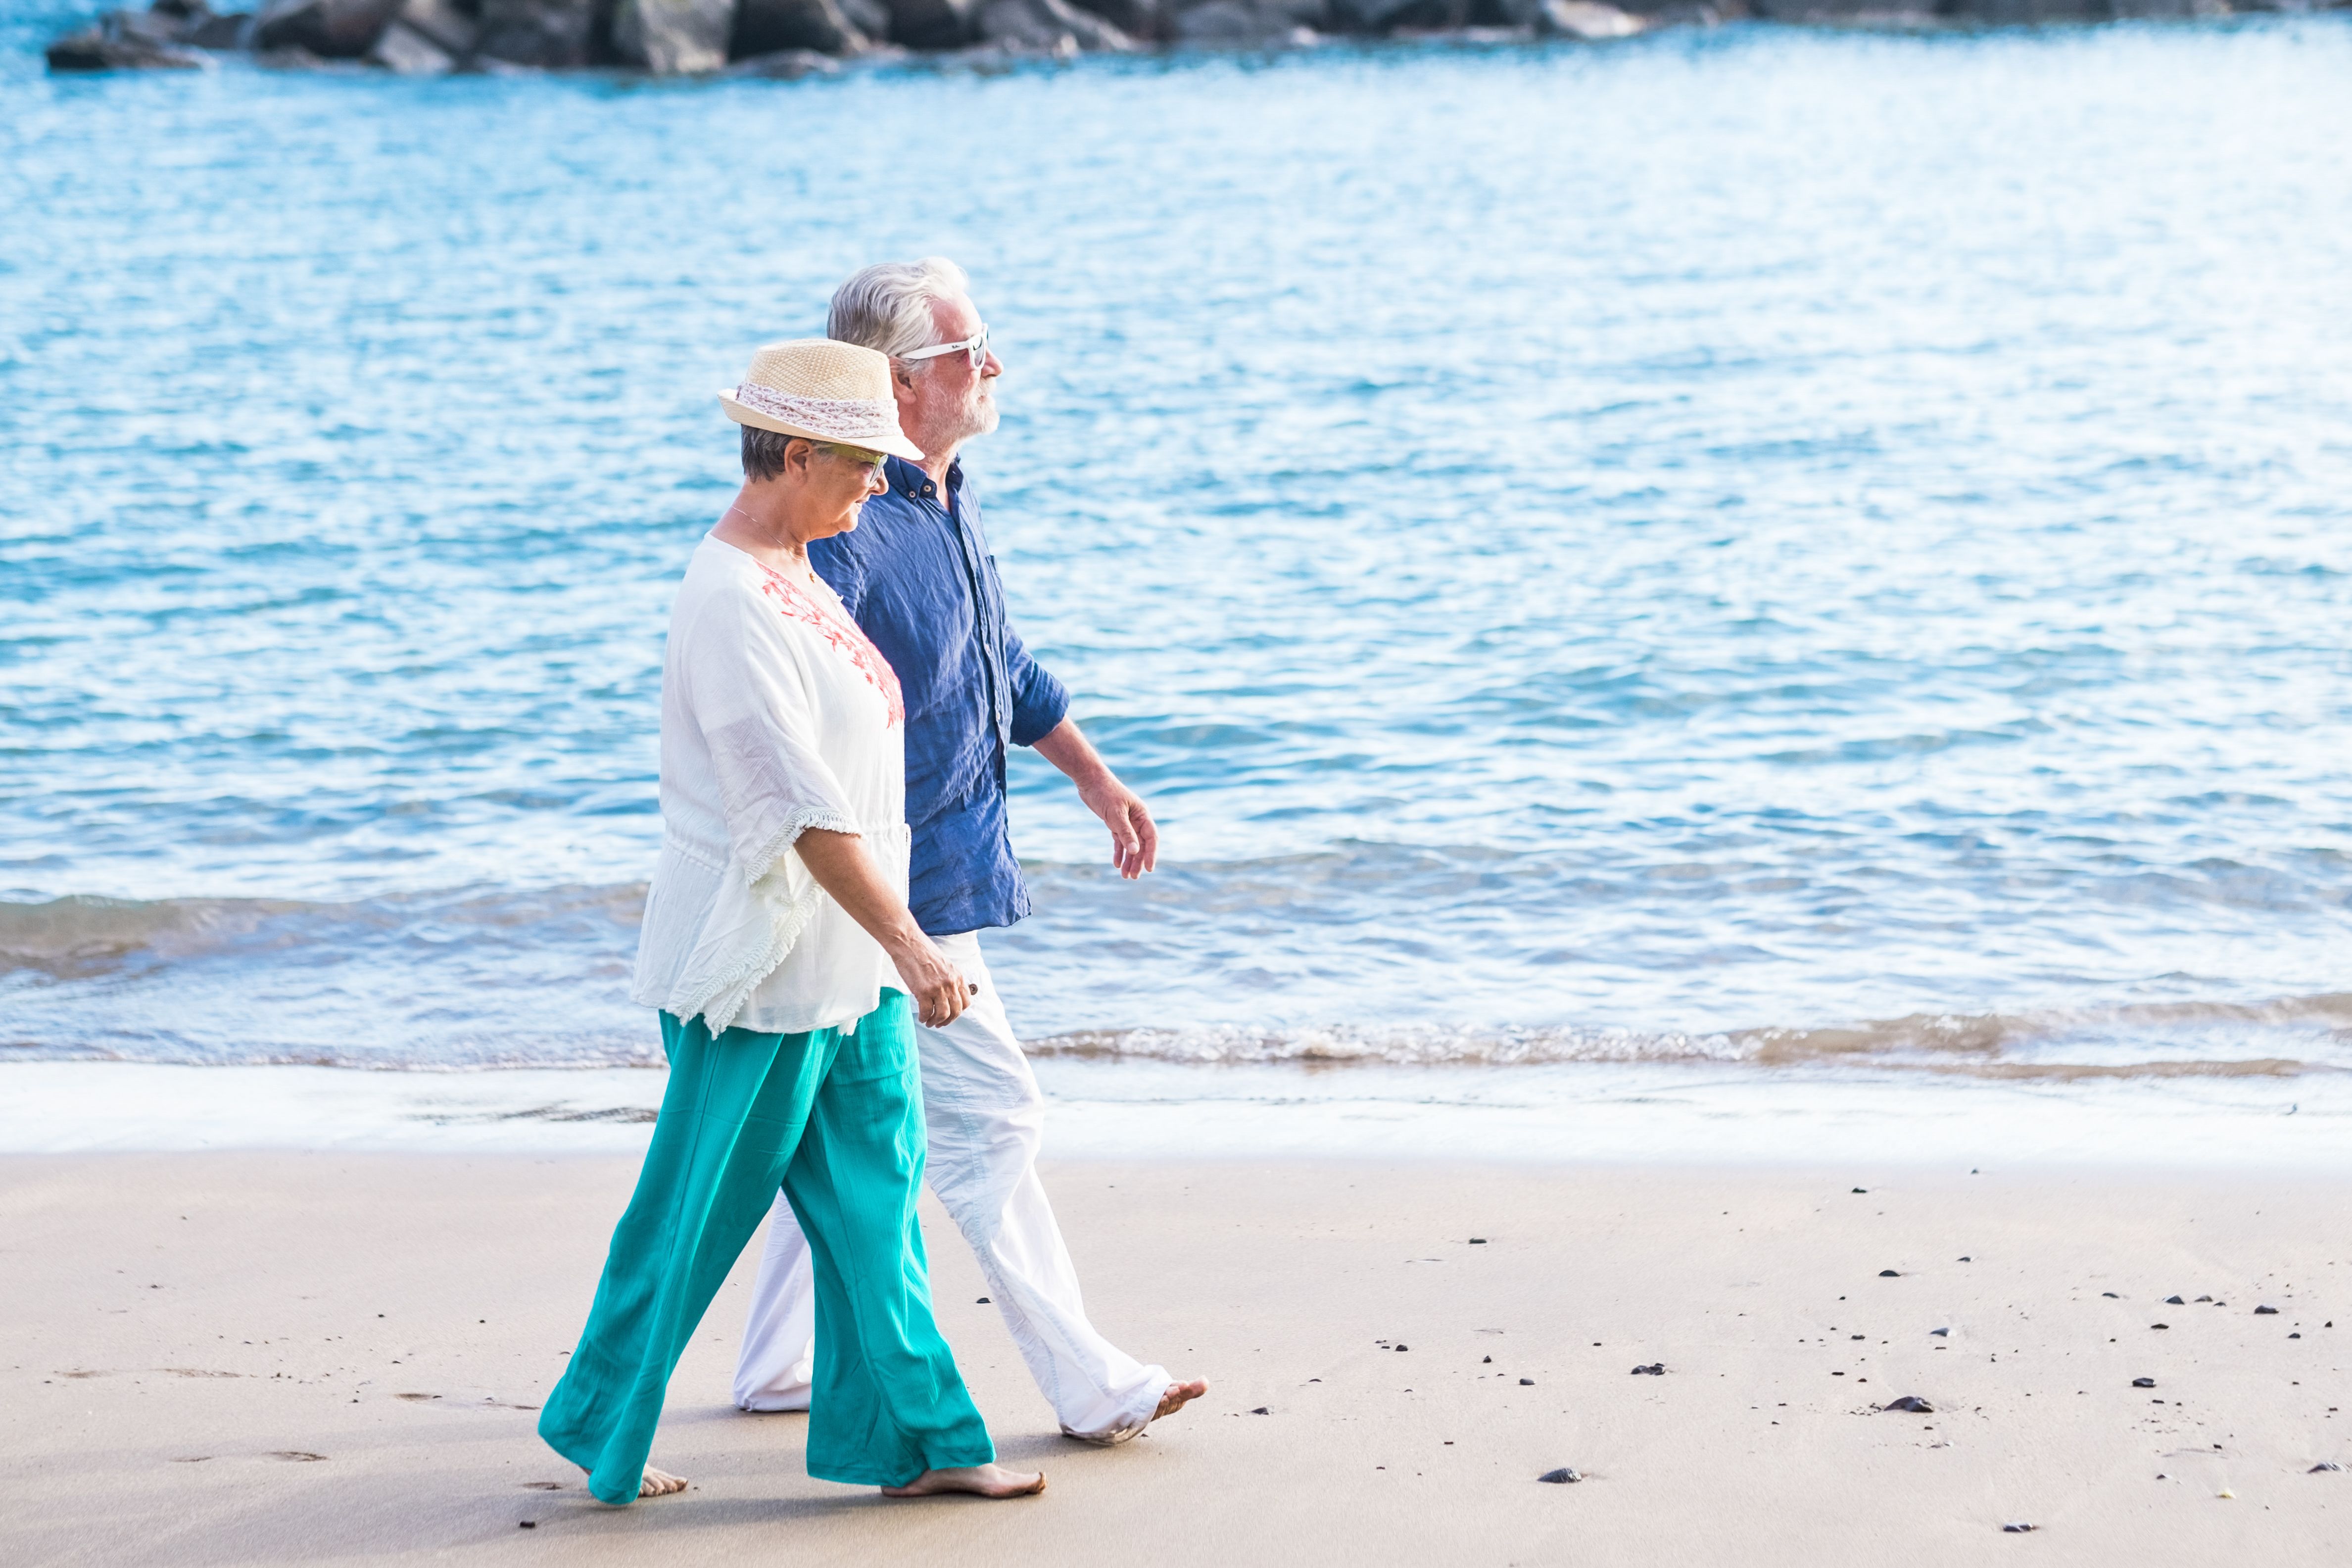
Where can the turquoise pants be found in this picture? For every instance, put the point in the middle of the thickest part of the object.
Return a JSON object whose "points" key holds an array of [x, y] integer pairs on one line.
{"points": [[834, 1117]]}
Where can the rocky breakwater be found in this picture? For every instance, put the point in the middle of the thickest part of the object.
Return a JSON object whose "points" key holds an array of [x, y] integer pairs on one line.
{"points": [[801, 37]]}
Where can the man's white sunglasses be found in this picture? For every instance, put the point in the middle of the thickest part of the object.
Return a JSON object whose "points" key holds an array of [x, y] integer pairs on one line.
{"points": [[974, 348]]}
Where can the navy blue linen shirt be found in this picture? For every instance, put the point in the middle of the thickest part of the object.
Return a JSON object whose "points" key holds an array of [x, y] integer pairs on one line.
{"points": [[916, 575]]}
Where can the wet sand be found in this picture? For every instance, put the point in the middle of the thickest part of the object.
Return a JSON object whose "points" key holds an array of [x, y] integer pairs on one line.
{"points": [[258, 1358]]}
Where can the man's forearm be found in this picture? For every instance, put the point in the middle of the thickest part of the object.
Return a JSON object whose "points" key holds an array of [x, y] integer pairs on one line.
{"points": [[1067, 748]]}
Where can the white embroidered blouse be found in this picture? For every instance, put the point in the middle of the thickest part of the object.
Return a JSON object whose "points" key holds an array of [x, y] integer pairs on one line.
{"points": [[778, 716]]}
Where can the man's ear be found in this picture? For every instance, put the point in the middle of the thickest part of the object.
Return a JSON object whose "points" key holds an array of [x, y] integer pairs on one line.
{"points": [[902, 378]]}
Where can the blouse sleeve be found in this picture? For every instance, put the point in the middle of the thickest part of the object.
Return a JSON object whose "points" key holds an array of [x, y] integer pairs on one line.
{"points": [[748, 691]]}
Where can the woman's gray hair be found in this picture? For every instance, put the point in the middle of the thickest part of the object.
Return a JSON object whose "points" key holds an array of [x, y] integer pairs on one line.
{"points": [[765, 452], [888, 307]]}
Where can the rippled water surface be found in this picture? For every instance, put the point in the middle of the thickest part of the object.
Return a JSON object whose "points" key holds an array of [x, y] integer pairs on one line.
{"points": [[1752, 545]]}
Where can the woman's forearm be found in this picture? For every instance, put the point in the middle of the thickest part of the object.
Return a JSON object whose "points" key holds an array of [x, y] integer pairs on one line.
{"points": [[843, 869]]}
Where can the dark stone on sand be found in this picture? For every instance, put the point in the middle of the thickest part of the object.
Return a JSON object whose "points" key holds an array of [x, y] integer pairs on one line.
{"points": [[1888, 1274], [1527, 1383], [2111, 1295], [1861, 1189], [2142, 1383], [1968, 1259], [1655, 1369], [1486, 1361], [2174, 1302], [526, 1524], [1404, 1347], [1945, 1333], [1560, 1477], [1261, 1410], [2017, 1528], [1912, 1403], [2159, 1326], [981, 1301], [1478, 1241], [2265, 1311], [2322, 1464], [2295, 1336]]}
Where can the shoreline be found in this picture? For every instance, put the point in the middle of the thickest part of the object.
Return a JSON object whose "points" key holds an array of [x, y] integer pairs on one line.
{"points": [[1586, 1116], [282, 1358]]}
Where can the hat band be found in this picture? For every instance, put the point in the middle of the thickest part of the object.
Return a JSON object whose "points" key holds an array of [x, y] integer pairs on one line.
{"points": [[834, 419]]}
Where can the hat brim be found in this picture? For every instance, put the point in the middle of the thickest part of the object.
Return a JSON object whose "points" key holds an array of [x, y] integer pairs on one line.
{"points": [[896, 444]]}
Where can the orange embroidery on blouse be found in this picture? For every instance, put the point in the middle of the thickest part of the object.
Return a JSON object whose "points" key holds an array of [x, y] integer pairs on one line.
{"points": [[851, 640]]}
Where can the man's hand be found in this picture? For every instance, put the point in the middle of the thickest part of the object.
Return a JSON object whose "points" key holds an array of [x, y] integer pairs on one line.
{"points": [[1134, 840]]}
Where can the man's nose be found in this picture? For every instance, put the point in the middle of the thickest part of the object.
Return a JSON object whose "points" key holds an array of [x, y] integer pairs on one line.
{"points": [[992, 366]]}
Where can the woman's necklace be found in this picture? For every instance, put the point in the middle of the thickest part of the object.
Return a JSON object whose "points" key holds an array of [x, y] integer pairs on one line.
{"points": [[796, 554]]}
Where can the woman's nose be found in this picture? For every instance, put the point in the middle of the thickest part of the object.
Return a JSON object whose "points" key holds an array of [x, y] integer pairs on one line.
{"points": [[875, 483]]}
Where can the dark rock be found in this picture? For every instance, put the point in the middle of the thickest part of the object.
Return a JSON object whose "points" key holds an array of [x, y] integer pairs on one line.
{"points": [[1527, 1383], [2295, 1336], [1478, 1241], [2019, 1527], [1655, 1369], [1560, 1477], [1261, 1410], [2322, 1464], [1861, 1189], [1945, 1333], [788, 65], [2174, 1302], [871, 17], [111, 48], [1144, 20], [1486, 1361], [673, 38], [981, 1302], [404, 51], [2265, 1311], [2111, 1295], [1049, 28], [1570, 20], [1888, 1274], [441, 23], [1389, 15], [2159, 1326], [549, 33], [772, 27], [2204, 1297], [210, 31], [1402, 1347], [932, 24], [1248, 23], [2142, 1383], [1912, 1403], [330, 29]]}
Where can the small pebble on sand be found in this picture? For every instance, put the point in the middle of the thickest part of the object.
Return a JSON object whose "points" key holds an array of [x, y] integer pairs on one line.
{"points": [[2142, 1383], [1560, 1477]]}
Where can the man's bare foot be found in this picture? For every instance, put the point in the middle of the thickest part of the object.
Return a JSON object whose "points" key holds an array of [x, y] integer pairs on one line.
{"points": [[979, 1481], [1179, 1395]]}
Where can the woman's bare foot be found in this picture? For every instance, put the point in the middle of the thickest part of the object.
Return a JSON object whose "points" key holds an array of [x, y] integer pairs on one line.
{"points": [[979, 1481], [660, 1483], [1179, 1395]]}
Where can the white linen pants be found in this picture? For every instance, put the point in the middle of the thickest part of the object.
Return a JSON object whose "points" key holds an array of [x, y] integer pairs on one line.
{"points": [[985, 1119]]}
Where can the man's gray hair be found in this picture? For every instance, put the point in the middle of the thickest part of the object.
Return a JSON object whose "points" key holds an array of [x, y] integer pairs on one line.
{"points": [[888, 307]]}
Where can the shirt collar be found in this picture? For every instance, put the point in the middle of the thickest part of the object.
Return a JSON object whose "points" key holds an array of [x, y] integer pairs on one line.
{"points": [[909, 480]]}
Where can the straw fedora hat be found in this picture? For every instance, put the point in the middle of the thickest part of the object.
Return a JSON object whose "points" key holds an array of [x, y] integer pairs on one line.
{"points": [[824, 390]]}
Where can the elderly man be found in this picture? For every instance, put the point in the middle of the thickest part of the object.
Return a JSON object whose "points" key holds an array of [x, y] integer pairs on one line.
{"points": [[918, 577]]}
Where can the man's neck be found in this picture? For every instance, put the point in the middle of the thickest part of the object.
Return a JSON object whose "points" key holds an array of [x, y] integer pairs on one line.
{"points": [[935, 464]]}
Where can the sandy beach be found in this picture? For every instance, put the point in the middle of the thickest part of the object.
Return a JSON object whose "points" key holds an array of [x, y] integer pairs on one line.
{"points": [[217, 1358]]}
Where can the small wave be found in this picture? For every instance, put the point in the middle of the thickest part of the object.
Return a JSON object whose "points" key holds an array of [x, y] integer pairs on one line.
{"points": [[2152, 1041]]}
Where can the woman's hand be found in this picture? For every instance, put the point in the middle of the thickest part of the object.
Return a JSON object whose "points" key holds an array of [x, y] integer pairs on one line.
{"points": [[937, 988]]}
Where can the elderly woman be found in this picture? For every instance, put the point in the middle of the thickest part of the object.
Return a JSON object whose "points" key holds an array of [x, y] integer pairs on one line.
{"points": [[778, 946]]}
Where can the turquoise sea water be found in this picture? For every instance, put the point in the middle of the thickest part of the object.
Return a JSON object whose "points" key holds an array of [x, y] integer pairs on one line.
{"points": [[1751, 545]]}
